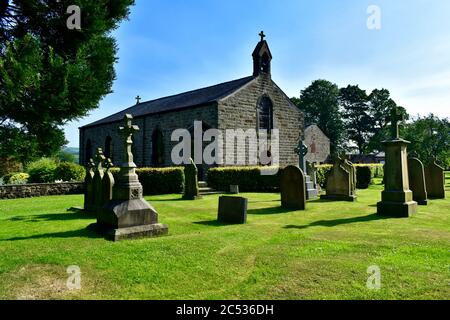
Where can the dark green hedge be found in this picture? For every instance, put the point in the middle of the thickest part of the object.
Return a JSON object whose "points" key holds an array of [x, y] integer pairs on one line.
{"points": [[249, 179], [159, 180]]}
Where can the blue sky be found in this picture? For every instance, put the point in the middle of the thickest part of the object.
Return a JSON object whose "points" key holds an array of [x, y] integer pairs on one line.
{"points": [[168, 47]]}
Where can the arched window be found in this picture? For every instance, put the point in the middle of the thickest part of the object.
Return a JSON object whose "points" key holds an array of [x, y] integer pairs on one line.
{"points": [[265, 114], [108, 148], [88, 151], [157, 148]]}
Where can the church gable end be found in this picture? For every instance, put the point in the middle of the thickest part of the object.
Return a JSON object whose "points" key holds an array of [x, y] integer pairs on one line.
{"points": [[253, 102]]}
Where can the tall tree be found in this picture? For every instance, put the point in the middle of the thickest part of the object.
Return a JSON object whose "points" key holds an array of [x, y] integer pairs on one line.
{"points": [[51, 74], [380, 105], [320, 104], [429, 136], [358, 121]]}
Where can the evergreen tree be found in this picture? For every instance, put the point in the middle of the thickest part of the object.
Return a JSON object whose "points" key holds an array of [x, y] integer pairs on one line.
{"points": [[380, 105], [51, 74], [356, 115]]}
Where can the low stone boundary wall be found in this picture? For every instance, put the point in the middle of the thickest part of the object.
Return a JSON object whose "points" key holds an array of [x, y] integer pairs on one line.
{"points": [[40, 190]]}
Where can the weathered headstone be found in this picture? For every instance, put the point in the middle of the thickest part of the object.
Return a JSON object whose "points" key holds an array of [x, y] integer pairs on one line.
{"points": [[234, 189], [340, 182], [128, 215], [352, 169], [191, 189], [232, 210], [318, 143], [292, 186], [435, 180], [98, 201], [311, 190], [417, 180], [397, 198], [89, 186], [107, 182]]}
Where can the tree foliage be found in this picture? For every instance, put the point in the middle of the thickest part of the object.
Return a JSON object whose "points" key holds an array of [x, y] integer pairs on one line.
{"points": [[356, 115], [320, 104], [49, 74], [379, 106], [429, 137]]}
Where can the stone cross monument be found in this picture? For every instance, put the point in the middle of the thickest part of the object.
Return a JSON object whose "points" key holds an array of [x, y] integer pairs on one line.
{"points": [[397, 198], [128, 215], [302, 150], [97, 192]]}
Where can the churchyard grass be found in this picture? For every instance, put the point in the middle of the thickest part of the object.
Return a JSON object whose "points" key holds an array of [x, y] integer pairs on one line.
{"points": [[320, 253]]}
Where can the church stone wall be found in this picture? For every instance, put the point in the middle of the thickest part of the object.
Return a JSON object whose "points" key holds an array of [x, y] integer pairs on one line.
{"points": [[240, 111], [142, 147]]}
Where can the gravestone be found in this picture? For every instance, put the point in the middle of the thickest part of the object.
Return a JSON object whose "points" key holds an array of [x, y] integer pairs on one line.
{"points": [[234, 189], [397, 198], [311, 190], [89, 186], [318, 144], [128, 215], [435, 180], [232, 210], [340, 182], [191, 190], [417, 180], [107, 182], [99, 159], [352, 169], [292, 186]]}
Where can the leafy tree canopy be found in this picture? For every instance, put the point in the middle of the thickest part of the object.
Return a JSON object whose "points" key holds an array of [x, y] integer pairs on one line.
{"points": [[49, 74], [429, 137], [320, 104]]}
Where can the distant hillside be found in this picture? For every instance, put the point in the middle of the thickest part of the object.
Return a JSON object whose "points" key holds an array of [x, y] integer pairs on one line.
{"points": [[73, 151]]}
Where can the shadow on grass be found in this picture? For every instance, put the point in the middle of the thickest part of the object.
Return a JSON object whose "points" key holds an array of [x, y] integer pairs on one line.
{"points": [[337, 222], [77, 215], [262, 201], [166, 200], [212, 223], [267, 211], [82, 233]]}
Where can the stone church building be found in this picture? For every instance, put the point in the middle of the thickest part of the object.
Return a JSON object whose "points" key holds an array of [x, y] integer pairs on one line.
{"points": [[253, 102]]}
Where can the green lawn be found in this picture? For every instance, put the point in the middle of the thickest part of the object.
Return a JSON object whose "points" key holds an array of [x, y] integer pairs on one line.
{"points": [[321, 253]]}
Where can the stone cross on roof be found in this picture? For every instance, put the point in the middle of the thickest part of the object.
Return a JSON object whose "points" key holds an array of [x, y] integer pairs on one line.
{"points": [[127, 132], [262, 35], [138, 99], [396, 117]]}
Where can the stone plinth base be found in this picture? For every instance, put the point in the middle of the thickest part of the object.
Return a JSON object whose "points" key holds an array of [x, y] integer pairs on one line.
{"points": [[338, 197], [311, 192], [422, 202], [397, 209], [147, 231]]}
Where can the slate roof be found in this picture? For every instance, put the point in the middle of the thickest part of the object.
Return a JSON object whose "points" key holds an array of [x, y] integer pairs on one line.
{"points": [[188, 99]]}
